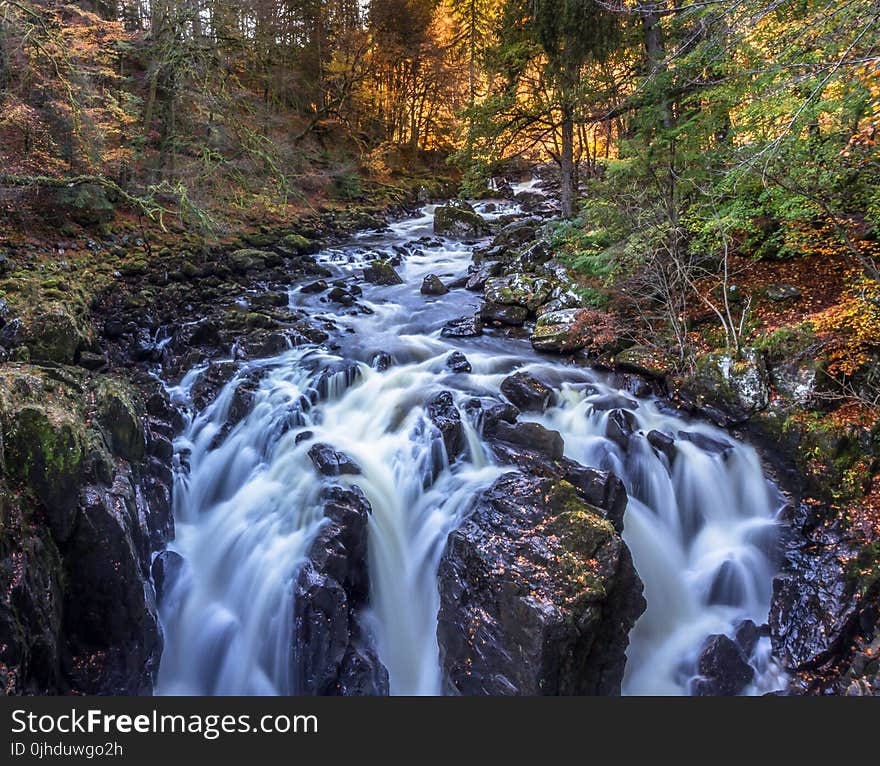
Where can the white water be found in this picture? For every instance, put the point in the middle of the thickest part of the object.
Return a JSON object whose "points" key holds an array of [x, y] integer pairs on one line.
{"points": [[247, 508]]}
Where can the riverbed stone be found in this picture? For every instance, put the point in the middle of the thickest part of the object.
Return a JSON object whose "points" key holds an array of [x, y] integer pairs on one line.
{"points": [[523, 290], [433, 285], [554, 616], [459, 220], [563, 331], [526, 392], [381, 272], [331, 462], [465, 327]]}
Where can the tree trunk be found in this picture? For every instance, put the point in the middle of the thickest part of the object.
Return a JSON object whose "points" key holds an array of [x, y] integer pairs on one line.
{"points": [[566, 163]]}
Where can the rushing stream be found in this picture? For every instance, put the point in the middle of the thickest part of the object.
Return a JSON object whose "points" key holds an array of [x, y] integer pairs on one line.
{"points": [[247, 503]]}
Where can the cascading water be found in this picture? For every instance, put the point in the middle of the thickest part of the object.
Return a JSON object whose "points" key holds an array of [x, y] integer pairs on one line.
{"points": [[700, 521]]}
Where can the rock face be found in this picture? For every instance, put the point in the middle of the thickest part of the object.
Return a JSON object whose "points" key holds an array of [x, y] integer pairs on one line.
{"points": [[738, 386], [332, 653], [554, 618], [85, 494], [459, 221]]}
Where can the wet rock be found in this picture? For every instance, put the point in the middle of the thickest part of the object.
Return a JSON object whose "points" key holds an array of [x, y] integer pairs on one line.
{"points": [[332, 651], [517, 234], [537, 594], [531, 437], [247, 260], [298, 244], [433, 285], [815, 606], [382, 361], [621, 425], [477, 280], [523, 290], [526, 392], [166, 569], [45, 450], [117, 414], [531, 261], [341, 296], [496, 313], [723, 668], [55, 335], [663, 444], [800, 381], [465, 327], [381, 272], [459, 220], [613, 402], [561, 332], [642, 361], [330, 462], [112, 634], [443, 413], [747, 635], [457, 362], [318, 286], [93, 362], [599, 488], [706, 443]]}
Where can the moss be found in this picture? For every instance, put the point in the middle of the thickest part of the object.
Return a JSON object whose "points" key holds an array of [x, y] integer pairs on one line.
{"points": [[296, 243], [117, 416], [582, 532]]}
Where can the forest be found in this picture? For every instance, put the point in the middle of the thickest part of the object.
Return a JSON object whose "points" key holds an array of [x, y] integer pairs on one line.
{"points": [[683, 195]]}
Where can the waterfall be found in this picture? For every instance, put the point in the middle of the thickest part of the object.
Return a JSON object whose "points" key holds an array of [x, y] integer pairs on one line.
{"points": [[247, 501]]}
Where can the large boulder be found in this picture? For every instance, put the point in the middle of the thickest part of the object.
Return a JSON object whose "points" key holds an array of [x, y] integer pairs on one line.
{"points": [[45, 449], [562, 331], [465, 327], [524, 290], [737, 385], [517, 234], [499, 314], [459, 221], [55, 335], [381, 272], [433, 285], [445, 416], [526, 392], [723, 667], [537, 594], [332, 651], [331, 462]]}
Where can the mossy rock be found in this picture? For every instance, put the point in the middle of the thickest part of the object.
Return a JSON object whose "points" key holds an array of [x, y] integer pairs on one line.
{"points": [[297, 243], [45, 448], [381, 272], [738, 384], [561, 332], [54, 334], [524, 290], [245, 260], [459, 221], [117, 415]]}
